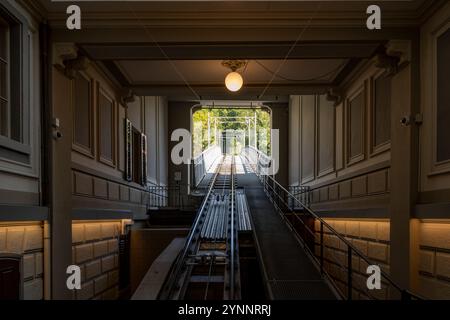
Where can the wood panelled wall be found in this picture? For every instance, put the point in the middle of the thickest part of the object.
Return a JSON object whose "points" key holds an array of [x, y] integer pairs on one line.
{"points": [[98, 156], [20, 163], [435, 106], [342, 151]]}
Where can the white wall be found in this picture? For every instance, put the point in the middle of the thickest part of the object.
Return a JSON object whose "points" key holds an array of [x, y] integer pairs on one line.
{"points": [[156, 129], [294, 142]]}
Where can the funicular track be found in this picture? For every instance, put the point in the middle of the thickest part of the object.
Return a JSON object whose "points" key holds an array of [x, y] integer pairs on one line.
{"points": [[208, 266]]}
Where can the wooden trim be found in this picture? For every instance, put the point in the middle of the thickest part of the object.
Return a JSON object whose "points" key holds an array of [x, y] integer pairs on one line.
{"points": [[375, 213], [10, 197], [84, 150], [98, 174], [433, 210], [329, 170], [365, 202], [437, 167], [100, 214], [87, 203], [311, 177], [108, 96], [18, 152], [362, 156], [442, 195], [375, 150], [23, 213], [374, 168]]}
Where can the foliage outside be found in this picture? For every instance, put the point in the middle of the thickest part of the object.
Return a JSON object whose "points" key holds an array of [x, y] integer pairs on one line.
{"points": [[241, 120]]}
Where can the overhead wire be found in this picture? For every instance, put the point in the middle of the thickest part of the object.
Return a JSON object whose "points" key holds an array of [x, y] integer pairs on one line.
{"points": [[291, 49], [180, 74], [277, 75]]}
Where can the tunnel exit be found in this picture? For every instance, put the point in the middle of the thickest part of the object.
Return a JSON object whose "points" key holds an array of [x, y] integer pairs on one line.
{"points": [[231, 129]]}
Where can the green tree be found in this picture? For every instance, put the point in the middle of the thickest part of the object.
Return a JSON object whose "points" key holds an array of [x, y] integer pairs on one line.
{"points": [[230, 119]]}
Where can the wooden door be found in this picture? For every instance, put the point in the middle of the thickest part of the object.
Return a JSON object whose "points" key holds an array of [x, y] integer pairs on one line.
{"points": [[9, 279]]}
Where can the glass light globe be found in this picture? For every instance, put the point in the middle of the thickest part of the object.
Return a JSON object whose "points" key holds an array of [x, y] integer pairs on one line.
{"points": [[234, 81]]}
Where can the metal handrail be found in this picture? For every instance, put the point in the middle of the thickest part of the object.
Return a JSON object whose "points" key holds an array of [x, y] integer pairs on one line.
{"points": [[405, 294], [232, 234], [161, 196], [199, 168]]}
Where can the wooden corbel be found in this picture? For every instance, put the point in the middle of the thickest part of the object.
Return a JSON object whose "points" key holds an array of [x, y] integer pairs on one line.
{"points": [[72, 66], [68, 60], [127, 96], [386, 62], [334, 95]]}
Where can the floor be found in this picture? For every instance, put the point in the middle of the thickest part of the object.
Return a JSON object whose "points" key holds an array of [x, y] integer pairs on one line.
{"points": [[290, 272]]}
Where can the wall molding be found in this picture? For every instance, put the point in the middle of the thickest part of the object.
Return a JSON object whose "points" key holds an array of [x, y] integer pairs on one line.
{"points": [[95, 209], [358, 173], [374, 213], [23, 213], [435, 196], [100, 214], [432, 211], [366, 202]]}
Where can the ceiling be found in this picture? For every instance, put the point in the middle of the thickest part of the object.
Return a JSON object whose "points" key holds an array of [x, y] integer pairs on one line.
{"points": [[176, 48], [195, 69], [201, 72]]}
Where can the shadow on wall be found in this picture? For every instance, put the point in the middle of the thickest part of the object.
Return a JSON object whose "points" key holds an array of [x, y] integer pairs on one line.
{"points": [[146, 246]]}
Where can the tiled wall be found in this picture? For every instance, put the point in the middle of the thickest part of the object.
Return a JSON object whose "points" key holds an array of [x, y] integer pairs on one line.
{"points": [[95, 250], [370, 237], [434, 260], [26, 239]]}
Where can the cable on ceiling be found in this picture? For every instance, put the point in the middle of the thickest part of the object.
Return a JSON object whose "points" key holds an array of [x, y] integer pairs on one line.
{"points": [[277, 75]]}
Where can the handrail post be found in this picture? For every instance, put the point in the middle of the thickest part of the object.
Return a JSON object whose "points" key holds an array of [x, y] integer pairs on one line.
{"points": [[321, 247], [349, 273]]}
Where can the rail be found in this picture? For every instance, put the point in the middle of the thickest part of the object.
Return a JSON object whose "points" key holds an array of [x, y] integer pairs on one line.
{"points": [[302, 221], [188, 248]]}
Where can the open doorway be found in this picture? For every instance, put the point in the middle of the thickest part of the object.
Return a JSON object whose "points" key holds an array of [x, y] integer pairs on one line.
{"points": [[231, 129]]}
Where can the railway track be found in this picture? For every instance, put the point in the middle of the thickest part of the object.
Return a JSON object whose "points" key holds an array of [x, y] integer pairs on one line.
{"points": [[208, 266]]}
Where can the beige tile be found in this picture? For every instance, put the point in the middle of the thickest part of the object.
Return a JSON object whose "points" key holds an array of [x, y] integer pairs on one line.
{"points": [[443, 265], [34, 238], [435, 235], [426, 261], [378, 251], [15, 239], [100, 248], [368, 229], [83, 253], [100, 284], [92, 231], [33, 290], [77, 233], [28, 266], [86, 292], [352, 228], [113, 245], [383, 231], [93, 268], [39, 266], [107, 263]]}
